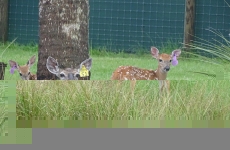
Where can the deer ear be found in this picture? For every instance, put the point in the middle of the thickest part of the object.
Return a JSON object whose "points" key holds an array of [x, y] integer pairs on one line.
{"points": [[87, 63], [52, 65], [176, 53], [154, 52], [31, 61], [13, 64]]}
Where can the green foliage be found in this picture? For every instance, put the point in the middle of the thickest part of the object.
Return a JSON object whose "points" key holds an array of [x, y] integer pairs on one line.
{"points": [[218, 48], [3, 111], [94, 100]]}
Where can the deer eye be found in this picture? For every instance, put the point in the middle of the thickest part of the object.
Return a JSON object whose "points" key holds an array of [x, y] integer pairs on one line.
{"points": [[28, 73], [170, 61], [77, 75], [62, 75], [160, 60], [20, 74]]}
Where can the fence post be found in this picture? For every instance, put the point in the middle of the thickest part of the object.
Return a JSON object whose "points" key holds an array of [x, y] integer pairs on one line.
{"points": [[3, 20], [189, 22], [2, 70]]}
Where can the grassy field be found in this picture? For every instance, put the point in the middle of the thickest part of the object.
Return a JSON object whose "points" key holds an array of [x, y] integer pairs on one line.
{"points": [[193, 96], [93, 100], [3, 111], [9, 134], [104, 63]]}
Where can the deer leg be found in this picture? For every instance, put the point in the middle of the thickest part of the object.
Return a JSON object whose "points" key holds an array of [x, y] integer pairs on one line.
{"points": [[118, 84], [168, 86], [132, 86], [164, 86]]}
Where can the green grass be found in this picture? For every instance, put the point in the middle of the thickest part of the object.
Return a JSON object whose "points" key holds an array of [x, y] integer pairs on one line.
{"points": [[104, 63], [102, 100], [193, 96], [9, 134], [3, 111]]}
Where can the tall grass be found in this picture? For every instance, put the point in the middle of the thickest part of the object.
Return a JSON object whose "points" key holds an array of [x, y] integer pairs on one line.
{"points": [[3, 111], [95, 100], [218, 48]]}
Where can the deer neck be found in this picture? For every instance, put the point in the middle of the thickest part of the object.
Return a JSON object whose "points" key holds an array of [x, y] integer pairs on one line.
{"points": [[160, 74]]}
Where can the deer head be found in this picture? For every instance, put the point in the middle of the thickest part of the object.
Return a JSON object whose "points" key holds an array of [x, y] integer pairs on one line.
{"points": [[24, 71], [165, 60], [69, 73]]}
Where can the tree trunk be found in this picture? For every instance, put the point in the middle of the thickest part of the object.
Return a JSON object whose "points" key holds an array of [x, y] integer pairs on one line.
{"points": [[63, 34]]}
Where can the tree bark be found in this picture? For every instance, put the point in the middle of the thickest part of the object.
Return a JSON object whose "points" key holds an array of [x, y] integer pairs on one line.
{"points": [[63, 26], [3, 20], [189, 22]]}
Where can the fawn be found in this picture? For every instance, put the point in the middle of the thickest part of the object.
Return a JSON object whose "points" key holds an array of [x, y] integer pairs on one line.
{"points": [[24, 71], [81, 72], [133, 73]]}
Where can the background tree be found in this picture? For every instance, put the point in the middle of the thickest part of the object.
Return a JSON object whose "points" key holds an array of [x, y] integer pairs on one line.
{"points": [[3, 20], [63, 34]]}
